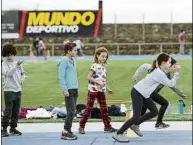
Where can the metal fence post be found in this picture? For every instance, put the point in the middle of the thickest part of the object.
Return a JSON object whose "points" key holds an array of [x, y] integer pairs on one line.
{"points": [[143, 26], [171, 24], [117, 49], [139, 49], [161, 47], [52, 49]]}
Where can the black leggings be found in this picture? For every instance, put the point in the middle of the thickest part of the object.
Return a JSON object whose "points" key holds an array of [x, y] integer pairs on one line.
{"points": [[137, 102], [159, 100]]}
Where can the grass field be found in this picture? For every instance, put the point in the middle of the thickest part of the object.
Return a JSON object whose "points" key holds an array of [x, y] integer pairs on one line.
{"points": [[42, 88]]}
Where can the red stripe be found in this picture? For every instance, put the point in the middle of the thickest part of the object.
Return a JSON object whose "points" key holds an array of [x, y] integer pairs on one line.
{"points": [[22, 24], [97, 26]]}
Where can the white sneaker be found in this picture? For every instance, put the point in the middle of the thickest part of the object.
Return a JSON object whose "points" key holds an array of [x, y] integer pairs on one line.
{"points": [[136, 129], [120, 138]]}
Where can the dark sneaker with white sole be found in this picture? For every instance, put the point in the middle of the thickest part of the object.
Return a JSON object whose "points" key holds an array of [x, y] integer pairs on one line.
{"points": [[4, 133], [110, 130], [68, 136], [14, 131], [136, 129], [161, 125]]}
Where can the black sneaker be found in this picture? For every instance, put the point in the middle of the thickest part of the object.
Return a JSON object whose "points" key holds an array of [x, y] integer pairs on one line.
{"points": [[160, 125], [14, 131], [4, 133], [109, 130], [72, 133], [68, 136]]}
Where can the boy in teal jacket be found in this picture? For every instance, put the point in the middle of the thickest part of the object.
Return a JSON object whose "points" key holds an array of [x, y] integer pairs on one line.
{"points": [[68, 80]]}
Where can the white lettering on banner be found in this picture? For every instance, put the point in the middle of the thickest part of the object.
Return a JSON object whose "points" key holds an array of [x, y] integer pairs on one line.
{"points": [[52, 29]]}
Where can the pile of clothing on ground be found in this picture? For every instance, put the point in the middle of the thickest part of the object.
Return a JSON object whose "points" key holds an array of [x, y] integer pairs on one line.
{"points": [[56, 112]]}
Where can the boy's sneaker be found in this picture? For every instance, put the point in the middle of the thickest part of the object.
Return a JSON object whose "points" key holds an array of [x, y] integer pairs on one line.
{"points": [[4, 133], [160, 125], [136, 129], [14, 131], [120, 138], [109, 130], [81, 130], [68, 135]]}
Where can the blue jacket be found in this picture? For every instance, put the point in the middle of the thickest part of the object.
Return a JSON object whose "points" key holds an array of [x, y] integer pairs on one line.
{"points": [[67, 74]]}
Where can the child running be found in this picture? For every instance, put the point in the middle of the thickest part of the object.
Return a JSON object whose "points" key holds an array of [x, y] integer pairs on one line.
{"points": [[157, 97], [140, 95], [97, 87], [68, 80], [13, 75]]}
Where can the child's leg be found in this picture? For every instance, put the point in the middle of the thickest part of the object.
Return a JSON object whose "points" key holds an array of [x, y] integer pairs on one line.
{"points": [[44, 53], [8, 95], [102, 101], [153, 111], [70, 103], [137, 103], [164, 104], [15, 109], [143, 111], [91, 98]]}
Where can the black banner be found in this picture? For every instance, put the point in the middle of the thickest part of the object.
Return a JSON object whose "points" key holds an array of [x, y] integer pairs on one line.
{"points": [[60, 23], [10, 24]]}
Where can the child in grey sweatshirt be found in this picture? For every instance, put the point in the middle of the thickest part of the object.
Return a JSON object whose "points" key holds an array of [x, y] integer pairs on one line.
{"points": [[155, 96], [13, 75], [140, 95]]}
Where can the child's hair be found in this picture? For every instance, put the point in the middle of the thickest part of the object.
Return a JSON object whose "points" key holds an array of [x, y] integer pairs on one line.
{"points": [[8, 50], [98, 51], [173, 61], [68, 47], [163, 57]]}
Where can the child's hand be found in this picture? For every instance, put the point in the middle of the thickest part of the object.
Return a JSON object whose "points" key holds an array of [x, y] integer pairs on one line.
{"points": [[177, 68], [101, 84], [174, 68], [110, 91], [19, 62], [184, 96], [66, 94], [134, 78]]}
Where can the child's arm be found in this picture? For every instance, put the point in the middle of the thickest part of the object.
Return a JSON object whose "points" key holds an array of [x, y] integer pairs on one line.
{"points": [[62, 75], [23, 75], [141, 69], [163, 79], [109, 90], [90, 77], [91, 73], [177, 91], [6, 72]]}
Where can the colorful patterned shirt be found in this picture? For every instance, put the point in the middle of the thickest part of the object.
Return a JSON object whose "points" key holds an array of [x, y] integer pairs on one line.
{"points": [[99, 75]]}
